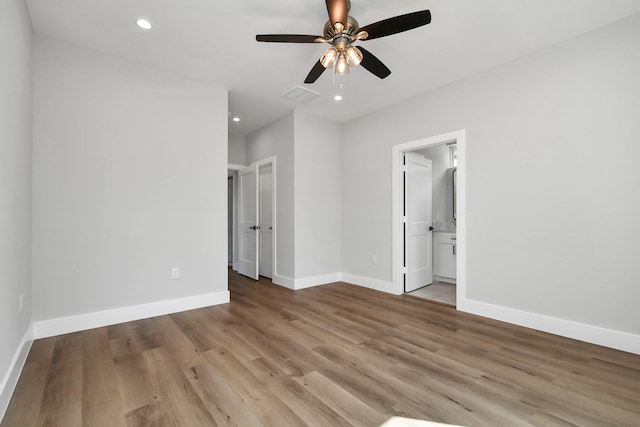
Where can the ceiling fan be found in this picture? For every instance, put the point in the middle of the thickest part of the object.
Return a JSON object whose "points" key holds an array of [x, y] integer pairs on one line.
{"points": [[341, 31]]}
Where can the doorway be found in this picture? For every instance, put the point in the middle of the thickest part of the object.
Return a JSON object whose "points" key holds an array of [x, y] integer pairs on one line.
{"points": [[401, 251], [256, 219]]}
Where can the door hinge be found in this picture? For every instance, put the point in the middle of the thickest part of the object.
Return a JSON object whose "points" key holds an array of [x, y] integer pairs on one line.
{"points": [[404, 219], [404, 270], [404, 168]]}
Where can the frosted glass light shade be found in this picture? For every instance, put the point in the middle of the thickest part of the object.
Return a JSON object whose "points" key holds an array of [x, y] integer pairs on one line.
{"points": [[354, 56], [341, 66], [329, 57]]}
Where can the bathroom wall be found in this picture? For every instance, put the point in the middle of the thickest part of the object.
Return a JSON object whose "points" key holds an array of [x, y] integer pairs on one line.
{"points": [[442, 207]]}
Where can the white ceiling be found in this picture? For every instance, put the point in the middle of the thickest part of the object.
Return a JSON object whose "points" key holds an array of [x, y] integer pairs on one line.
{"points": [[213, 41]]}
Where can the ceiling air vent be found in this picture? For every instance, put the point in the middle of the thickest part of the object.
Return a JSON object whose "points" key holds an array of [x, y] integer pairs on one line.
{"points": [[300, 94]]}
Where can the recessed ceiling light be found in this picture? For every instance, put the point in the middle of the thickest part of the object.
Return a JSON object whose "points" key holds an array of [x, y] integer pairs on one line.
{"points": [[337, 98], [236, 119], [144, 24]]}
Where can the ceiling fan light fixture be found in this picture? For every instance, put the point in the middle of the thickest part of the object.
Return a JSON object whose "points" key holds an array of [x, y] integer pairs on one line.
{"points": [[329, 57], [354, 56], [342, 67]]}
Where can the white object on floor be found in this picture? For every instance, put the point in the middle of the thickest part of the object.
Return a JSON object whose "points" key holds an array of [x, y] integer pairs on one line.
{"points": [[408, 422]]}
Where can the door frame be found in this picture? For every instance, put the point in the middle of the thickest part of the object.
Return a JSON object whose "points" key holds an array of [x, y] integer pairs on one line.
{"points": [[270, 163], [397, 202], [232, 171], [235, 168], [248, 230], [274, 238]]}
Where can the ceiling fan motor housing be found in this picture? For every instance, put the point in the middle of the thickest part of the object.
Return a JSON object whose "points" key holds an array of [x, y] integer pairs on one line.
{"points": [[341, 40]]}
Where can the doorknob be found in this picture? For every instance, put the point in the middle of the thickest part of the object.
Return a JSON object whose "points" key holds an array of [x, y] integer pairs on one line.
{"points": [[430, 228], [255, 227]]}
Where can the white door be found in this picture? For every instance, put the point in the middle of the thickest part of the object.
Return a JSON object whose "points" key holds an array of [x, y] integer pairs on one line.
{"points": [[248, 222], [418, 225], [266, 220]]}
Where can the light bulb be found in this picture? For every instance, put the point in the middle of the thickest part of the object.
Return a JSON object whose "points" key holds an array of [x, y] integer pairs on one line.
{"points": [[329, 57], [144, 24], [341, 66], [354, 56]]}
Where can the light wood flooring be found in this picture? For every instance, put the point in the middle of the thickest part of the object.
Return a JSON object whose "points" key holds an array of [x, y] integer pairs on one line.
{"points": [[327, 356]]}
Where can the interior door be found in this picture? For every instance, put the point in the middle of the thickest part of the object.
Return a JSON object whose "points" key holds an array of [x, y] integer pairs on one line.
{"points": [[266, 220], [418, 238], [248, 222]]}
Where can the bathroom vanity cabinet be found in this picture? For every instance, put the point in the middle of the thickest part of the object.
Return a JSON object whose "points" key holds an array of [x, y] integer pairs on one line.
{"points": [[445, 257]]}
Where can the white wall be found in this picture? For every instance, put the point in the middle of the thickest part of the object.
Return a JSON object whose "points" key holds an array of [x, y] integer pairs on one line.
{"points": [[130, 180], [552, 224], [318, 182], [308, 182], [15, 189], [276, 139], [237, 149], [442, 208]]}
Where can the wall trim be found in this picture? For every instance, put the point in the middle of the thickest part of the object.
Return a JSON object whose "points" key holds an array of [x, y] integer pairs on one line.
{"points": [[309, 282], [449, 280], [580, 331], [10, 379], [81, 322], [284, 281], [231, 166], [368, 282]]}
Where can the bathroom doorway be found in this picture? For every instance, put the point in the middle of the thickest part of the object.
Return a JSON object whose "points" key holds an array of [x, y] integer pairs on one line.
{"points": [[439, 234]]}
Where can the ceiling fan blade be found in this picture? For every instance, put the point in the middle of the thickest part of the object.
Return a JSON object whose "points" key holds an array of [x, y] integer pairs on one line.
{"points": [[315, 72], [373, 64], [338, 11], [397, 24], [287, 38]]}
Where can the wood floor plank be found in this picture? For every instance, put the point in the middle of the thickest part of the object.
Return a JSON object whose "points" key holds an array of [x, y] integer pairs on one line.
{"points": [[341, 401], [62, 399], [304, 404], [181, 405], [99, 382], [136, 388], [258, 399], [24, 408], [225, 405], [331, 355]]}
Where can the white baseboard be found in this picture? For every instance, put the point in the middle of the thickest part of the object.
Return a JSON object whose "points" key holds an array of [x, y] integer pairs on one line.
{"points": [[592, 334], [308, 282], [367, 282], [284, 281], [10, 379], [444, 279], [81, 322]]}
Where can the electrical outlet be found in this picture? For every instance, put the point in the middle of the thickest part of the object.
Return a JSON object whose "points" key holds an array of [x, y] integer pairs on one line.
{"points": [[20, 303], [175, 273], [374, 259]]}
